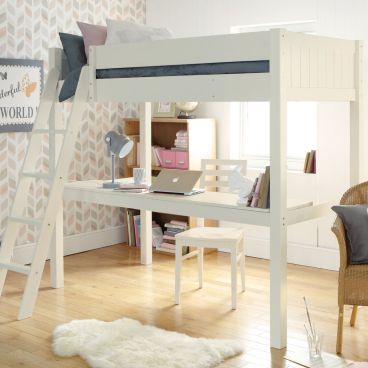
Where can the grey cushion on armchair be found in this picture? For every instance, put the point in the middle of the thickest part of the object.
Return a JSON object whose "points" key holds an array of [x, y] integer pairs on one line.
{"points": [[355, 220]]}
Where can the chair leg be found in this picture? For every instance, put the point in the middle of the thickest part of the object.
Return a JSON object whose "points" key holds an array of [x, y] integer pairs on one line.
{"points": [[200, 267], [353, 315], [234, 266], [340, 330], [242, 265], [178, 264]]}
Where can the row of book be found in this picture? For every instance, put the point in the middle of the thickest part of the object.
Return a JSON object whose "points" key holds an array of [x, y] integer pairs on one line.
{"points": [[181, 142], [172, 228], [260, 195], [310, 166], [134, 230]]}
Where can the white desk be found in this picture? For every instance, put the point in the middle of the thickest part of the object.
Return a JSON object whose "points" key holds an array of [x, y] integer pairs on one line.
{"points": [[211, 205]]}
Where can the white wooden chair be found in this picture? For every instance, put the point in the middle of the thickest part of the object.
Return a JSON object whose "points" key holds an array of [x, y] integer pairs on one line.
{"points": [[215, 175]]}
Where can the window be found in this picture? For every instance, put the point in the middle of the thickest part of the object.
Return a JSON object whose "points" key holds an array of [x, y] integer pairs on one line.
{"points": [[250, 138], [254, 129]]}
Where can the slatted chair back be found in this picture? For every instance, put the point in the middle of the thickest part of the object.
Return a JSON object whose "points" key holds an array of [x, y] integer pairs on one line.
{"points": [[216, 173]]}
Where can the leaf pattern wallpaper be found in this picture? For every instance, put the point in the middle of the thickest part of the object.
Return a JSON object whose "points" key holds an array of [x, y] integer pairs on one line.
{"points": [[27, 29]]}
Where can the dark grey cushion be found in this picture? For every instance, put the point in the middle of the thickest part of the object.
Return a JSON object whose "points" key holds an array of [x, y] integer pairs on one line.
{"points": [[355, 220], [70, 85], [73, 46]]}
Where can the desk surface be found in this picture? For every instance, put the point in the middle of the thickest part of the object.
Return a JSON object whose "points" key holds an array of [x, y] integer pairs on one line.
{"points": [[212, 205]]}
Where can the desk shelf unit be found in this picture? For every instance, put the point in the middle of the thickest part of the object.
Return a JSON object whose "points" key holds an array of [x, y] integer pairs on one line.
{"points": [[201, 138], [201, 145]]}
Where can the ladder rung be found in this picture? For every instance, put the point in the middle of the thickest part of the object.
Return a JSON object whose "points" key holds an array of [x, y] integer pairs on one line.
{"points": [[16, 267], [47, 131], [36, 175], [25, 220]]}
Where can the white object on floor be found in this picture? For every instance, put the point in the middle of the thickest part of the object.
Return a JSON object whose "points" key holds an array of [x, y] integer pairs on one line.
{"points": [[215, 174], [129, 344]]}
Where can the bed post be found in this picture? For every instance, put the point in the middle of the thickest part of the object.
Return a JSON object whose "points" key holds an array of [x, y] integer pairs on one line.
{"points": [[356, 119], [57, 241], [278, 226], [145, 154]]}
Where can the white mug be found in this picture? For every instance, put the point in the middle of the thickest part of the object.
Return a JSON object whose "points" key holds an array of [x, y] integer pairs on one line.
{"points": [[139, 175]]}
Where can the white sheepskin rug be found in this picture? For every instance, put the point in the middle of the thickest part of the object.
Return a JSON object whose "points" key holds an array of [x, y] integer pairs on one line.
{"points": [[126, 343]]}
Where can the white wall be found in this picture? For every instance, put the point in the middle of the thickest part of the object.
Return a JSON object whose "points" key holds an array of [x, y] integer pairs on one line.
{"points": [[311, 243]]}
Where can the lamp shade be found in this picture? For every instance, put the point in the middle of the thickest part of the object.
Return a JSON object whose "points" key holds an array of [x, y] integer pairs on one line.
{"points": [[118, 144]]}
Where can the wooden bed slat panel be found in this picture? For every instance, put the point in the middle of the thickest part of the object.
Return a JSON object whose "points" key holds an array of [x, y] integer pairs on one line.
{"points": [[209, 49], [230, 87]]}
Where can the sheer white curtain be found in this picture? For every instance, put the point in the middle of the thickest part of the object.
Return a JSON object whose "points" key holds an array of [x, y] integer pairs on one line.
{"points": [[254, 133]]}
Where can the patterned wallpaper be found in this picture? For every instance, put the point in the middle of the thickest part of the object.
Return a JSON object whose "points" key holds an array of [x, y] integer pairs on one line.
{"points": [[27, 29]]}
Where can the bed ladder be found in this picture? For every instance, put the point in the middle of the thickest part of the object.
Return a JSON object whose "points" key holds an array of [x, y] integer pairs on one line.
{"points": [[56, 176]]}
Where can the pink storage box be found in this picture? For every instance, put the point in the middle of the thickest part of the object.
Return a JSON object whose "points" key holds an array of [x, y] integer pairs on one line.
{"points": [[168, 159], [181, 160]]}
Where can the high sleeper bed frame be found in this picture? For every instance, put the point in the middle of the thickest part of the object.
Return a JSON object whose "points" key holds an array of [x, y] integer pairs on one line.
{"points": [[302, 67]]}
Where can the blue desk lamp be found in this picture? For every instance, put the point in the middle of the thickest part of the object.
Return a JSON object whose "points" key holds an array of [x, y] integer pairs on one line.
{"points": [[117, 144]]}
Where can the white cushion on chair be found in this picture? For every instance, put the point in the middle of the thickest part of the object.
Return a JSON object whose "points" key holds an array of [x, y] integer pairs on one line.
{"points": [[210, 236]]}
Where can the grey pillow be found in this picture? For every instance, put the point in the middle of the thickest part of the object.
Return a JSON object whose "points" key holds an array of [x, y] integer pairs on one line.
{"points": [[70, 85], [355, 220], [73, 46]]}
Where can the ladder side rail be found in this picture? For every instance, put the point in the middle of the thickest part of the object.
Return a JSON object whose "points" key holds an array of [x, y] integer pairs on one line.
{"points": [[8, 242], [55, 197]]}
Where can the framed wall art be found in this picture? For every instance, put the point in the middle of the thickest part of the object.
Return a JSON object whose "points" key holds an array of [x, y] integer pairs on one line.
{"points": [[21, 84]]}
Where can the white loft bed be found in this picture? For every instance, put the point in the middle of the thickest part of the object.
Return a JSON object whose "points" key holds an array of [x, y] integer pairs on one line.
{"points": [[302, 67]]}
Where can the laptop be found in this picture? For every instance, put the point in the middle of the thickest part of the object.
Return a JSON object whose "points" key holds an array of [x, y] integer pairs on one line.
{"points": [[177, 182]]}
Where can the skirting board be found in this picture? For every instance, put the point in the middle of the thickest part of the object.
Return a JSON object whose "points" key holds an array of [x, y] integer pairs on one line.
{"points": [[299, 254], [77, 243], [305, 255]]}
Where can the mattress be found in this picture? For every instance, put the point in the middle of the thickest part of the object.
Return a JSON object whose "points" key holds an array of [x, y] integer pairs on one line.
{"points": [[237, 67]]}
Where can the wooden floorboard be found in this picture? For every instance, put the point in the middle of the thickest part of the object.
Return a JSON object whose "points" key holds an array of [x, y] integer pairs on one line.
{"points": [[110, 283]]}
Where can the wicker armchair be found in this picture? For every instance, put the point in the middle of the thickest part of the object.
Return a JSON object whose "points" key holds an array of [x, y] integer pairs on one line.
{"points": [[353, 279]]}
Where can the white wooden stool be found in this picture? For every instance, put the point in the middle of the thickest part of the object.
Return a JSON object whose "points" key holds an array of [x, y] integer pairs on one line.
{"points": [[211, 237]]}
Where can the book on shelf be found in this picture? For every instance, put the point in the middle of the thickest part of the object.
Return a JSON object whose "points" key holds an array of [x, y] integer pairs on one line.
{"points": [[260, 194], [156, 155], [133, 188], [168, 238], [256, 192], [252, 193], [264, 189], [137, 229], [157, 235], [179, 149], [134, 224], [310, 166], [130, 213], [180, 223], [181, 142], [173, 228]]}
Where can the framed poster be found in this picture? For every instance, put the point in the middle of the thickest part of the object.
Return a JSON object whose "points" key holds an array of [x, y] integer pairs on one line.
{"points": [[163, 110], [21, 84]]}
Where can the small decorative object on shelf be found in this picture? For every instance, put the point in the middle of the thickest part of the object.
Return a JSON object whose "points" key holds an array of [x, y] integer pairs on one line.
{"points": [[314, 339], [163, 110], [139, 175], [241, 185], [185, 109]]}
